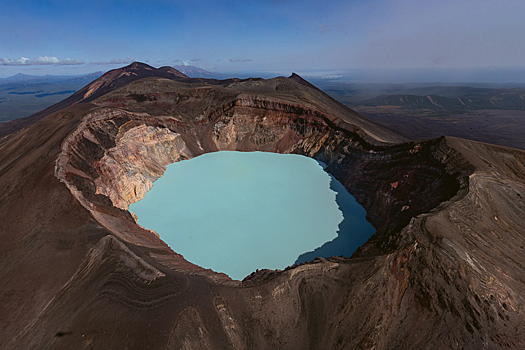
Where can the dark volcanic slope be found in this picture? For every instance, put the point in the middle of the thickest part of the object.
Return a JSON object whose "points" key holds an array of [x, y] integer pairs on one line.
{"points": [[444, 270], [108, 82]]}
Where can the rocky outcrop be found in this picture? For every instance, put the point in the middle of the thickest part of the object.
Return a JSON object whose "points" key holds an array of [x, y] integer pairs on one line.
{"points": [[128, 170]]}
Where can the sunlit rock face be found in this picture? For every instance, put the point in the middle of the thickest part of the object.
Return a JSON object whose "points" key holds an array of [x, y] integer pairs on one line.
{"points": [[128, 170]]}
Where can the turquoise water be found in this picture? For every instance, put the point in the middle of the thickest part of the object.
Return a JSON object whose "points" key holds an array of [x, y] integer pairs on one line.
{"points": [[235, 212]]}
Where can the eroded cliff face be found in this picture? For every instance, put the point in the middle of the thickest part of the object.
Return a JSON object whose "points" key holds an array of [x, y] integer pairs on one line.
{"points": [[128, 170]]}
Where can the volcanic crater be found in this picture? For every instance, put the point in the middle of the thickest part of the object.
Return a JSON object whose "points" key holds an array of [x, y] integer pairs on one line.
{"points": [[438, 271], [119, 149]]}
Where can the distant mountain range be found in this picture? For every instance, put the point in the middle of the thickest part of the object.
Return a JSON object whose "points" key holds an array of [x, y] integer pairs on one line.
{"points": [[22, 95], [508, 99], [488, 112], [190, 71], [196, 72], [432, 97], [23, 78]]}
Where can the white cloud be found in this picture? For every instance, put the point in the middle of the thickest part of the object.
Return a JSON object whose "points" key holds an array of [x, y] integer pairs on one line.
{"points": [[235, 60], [16, 62], [45, 60], [40, 61], [183, 62], [70, 61]]}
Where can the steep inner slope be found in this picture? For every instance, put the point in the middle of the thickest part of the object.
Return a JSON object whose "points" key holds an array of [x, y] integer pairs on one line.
{"points": [[444, 269]]}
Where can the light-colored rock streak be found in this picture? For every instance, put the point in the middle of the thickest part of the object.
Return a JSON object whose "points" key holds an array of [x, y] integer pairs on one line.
{"points": [[433, 102]]}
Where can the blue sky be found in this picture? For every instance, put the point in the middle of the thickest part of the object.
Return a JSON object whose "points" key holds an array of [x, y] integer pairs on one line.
{"points": [[275, 36]]}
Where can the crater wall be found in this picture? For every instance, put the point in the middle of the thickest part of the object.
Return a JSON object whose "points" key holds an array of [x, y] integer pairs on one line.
{"points": [[115, 155]]}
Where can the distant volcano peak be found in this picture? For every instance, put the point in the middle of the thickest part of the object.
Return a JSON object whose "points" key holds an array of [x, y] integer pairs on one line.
{"points": [[122, 76], [138, 66]]}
